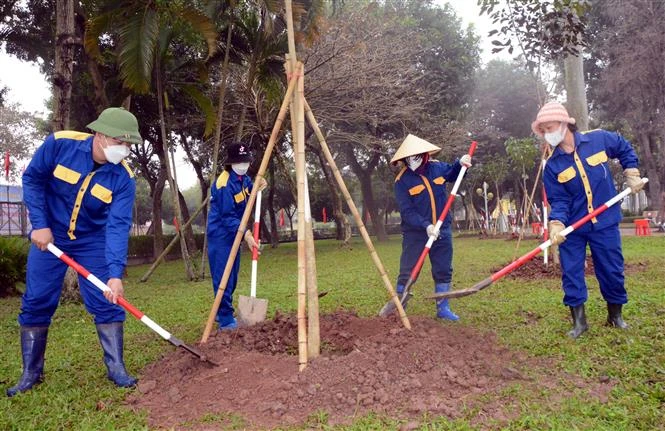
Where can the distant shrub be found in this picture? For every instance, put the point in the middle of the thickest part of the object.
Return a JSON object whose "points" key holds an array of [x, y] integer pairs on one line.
{"points": [[13, 262]]}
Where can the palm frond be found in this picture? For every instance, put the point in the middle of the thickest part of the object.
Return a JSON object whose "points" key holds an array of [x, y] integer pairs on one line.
{"points": [[205, 104], [203, 25], [94, 28], [138, 38]]}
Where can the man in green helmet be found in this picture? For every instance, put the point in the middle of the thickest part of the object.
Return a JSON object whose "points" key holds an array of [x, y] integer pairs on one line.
{"points": [[79, 192]]}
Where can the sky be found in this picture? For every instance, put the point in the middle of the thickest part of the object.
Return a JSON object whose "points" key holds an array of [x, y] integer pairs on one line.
{"points": [[29, 88]]}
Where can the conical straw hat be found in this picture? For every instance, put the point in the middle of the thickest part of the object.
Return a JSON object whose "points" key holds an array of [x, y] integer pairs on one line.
{"points": [[413, 145]]}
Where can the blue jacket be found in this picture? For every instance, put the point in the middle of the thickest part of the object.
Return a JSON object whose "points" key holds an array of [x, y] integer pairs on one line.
{"points": [[421, 198], [64, 193], [579, 182], [228, 200]]}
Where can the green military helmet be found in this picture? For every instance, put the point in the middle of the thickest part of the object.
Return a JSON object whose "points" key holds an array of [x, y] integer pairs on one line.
{"points": [[117, 123]]}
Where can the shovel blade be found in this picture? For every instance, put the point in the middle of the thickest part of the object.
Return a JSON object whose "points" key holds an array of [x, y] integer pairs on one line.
{"points": [[194, 351], [251, 310]]}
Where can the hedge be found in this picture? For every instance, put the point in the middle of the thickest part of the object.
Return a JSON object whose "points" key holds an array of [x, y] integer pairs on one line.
{"points": [[13, 262]]}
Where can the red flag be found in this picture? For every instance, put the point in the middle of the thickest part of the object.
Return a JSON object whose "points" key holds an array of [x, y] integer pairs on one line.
{"points": [[7, 166], [325, 216], [281, 217], [176, 224]]}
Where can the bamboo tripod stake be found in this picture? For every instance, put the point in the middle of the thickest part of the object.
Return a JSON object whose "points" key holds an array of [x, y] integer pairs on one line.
{"points": [[356, 216], [248, 209], [299, 105], [299, 153], [312, 337]]}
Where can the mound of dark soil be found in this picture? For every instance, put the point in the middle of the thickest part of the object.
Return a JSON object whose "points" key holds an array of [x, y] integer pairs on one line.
{"points": [[535, 269], [366, 365]]}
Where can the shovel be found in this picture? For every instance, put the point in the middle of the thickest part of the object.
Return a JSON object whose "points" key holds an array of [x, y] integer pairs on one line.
{"points": [[406, 295], [533, 253], [126, 305], [252, 310]]}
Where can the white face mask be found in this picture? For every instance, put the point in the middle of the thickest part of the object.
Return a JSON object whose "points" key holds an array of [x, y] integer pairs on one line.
{"points": [[414, 162], [240, 168], [555, 138], [115, 153]]}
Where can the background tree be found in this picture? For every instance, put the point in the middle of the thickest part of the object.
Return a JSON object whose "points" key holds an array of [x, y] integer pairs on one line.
{"points": [[627, 81], [368, 107], [545, 31], [19, 134]]}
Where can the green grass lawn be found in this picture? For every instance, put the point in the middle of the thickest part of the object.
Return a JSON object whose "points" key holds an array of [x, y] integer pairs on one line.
{"points": [[527, 316]]}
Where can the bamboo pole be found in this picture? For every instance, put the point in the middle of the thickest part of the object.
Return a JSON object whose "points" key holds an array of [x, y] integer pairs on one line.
{"points": [[299, 135], [301, 228], [248, 208], [313, 335], [528, 210], [218, 140], [357, 217], [313, 329], [173, 242]]}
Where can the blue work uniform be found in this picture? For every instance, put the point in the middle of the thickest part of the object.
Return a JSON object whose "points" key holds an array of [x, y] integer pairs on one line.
{"points": [[228, 200], [89, 212], [576, 184], [421, 196]]}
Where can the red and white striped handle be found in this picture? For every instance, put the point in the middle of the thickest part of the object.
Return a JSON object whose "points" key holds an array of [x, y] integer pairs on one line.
{"points": [[255, 250], [103, 287]]}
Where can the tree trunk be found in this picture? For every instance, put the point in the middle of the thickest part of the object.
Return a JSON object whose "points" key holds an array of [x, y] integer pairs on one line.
{"points": [[172, 182], [70, 288], [341, 221], [652, 170], [64, 63], [274, 237], [189, 232], [158, 233], [369, 204], [218, 139], [576, 90], [364, 176]]}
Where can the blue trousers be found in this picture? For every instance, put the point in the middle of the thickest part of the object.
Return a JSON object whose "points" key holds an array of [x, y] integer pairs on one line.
{"points": [[440, 255], [218, 254], [46, 273], [605, 247]]}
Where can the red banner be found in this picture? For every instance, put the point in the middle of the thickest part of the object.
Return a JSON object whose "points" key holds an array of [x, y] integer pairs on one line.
{"points": [[325, 215], [7, 166], [281, 217], [176, 224]]}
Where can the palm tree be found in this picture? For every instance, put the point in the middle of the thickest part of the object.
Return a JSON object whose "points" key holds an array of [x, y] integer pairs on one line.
{"points": [[145, 31]]}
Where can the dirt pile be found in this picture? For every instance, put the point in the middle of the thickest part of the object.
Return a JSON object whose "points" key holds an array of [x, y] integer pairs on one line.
{"points": [[535, 269], [366, 365]]}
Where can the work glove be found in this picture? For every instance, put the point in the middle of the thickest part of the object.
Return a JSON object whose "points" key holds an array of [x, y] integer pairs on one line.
{"points": [[633, 179], [432, 231], [465, 160], [555, 228]]}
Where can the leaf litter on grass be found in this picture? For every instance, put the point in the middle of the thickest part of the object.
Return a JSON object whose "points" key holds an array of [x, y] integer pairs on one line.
{"points": [[367, 365]]}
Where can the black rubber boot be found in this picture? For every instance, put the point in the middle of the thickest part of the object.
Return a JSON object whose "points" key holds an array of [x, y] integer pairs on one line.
{"points": [[111, 339], [579, 321], [614, 316], [33, 346]]}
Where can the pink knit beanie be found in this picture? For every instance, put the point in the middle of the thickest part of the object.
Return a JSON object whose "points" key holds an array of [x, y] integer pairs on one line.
{"points": [[551, 111]]}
